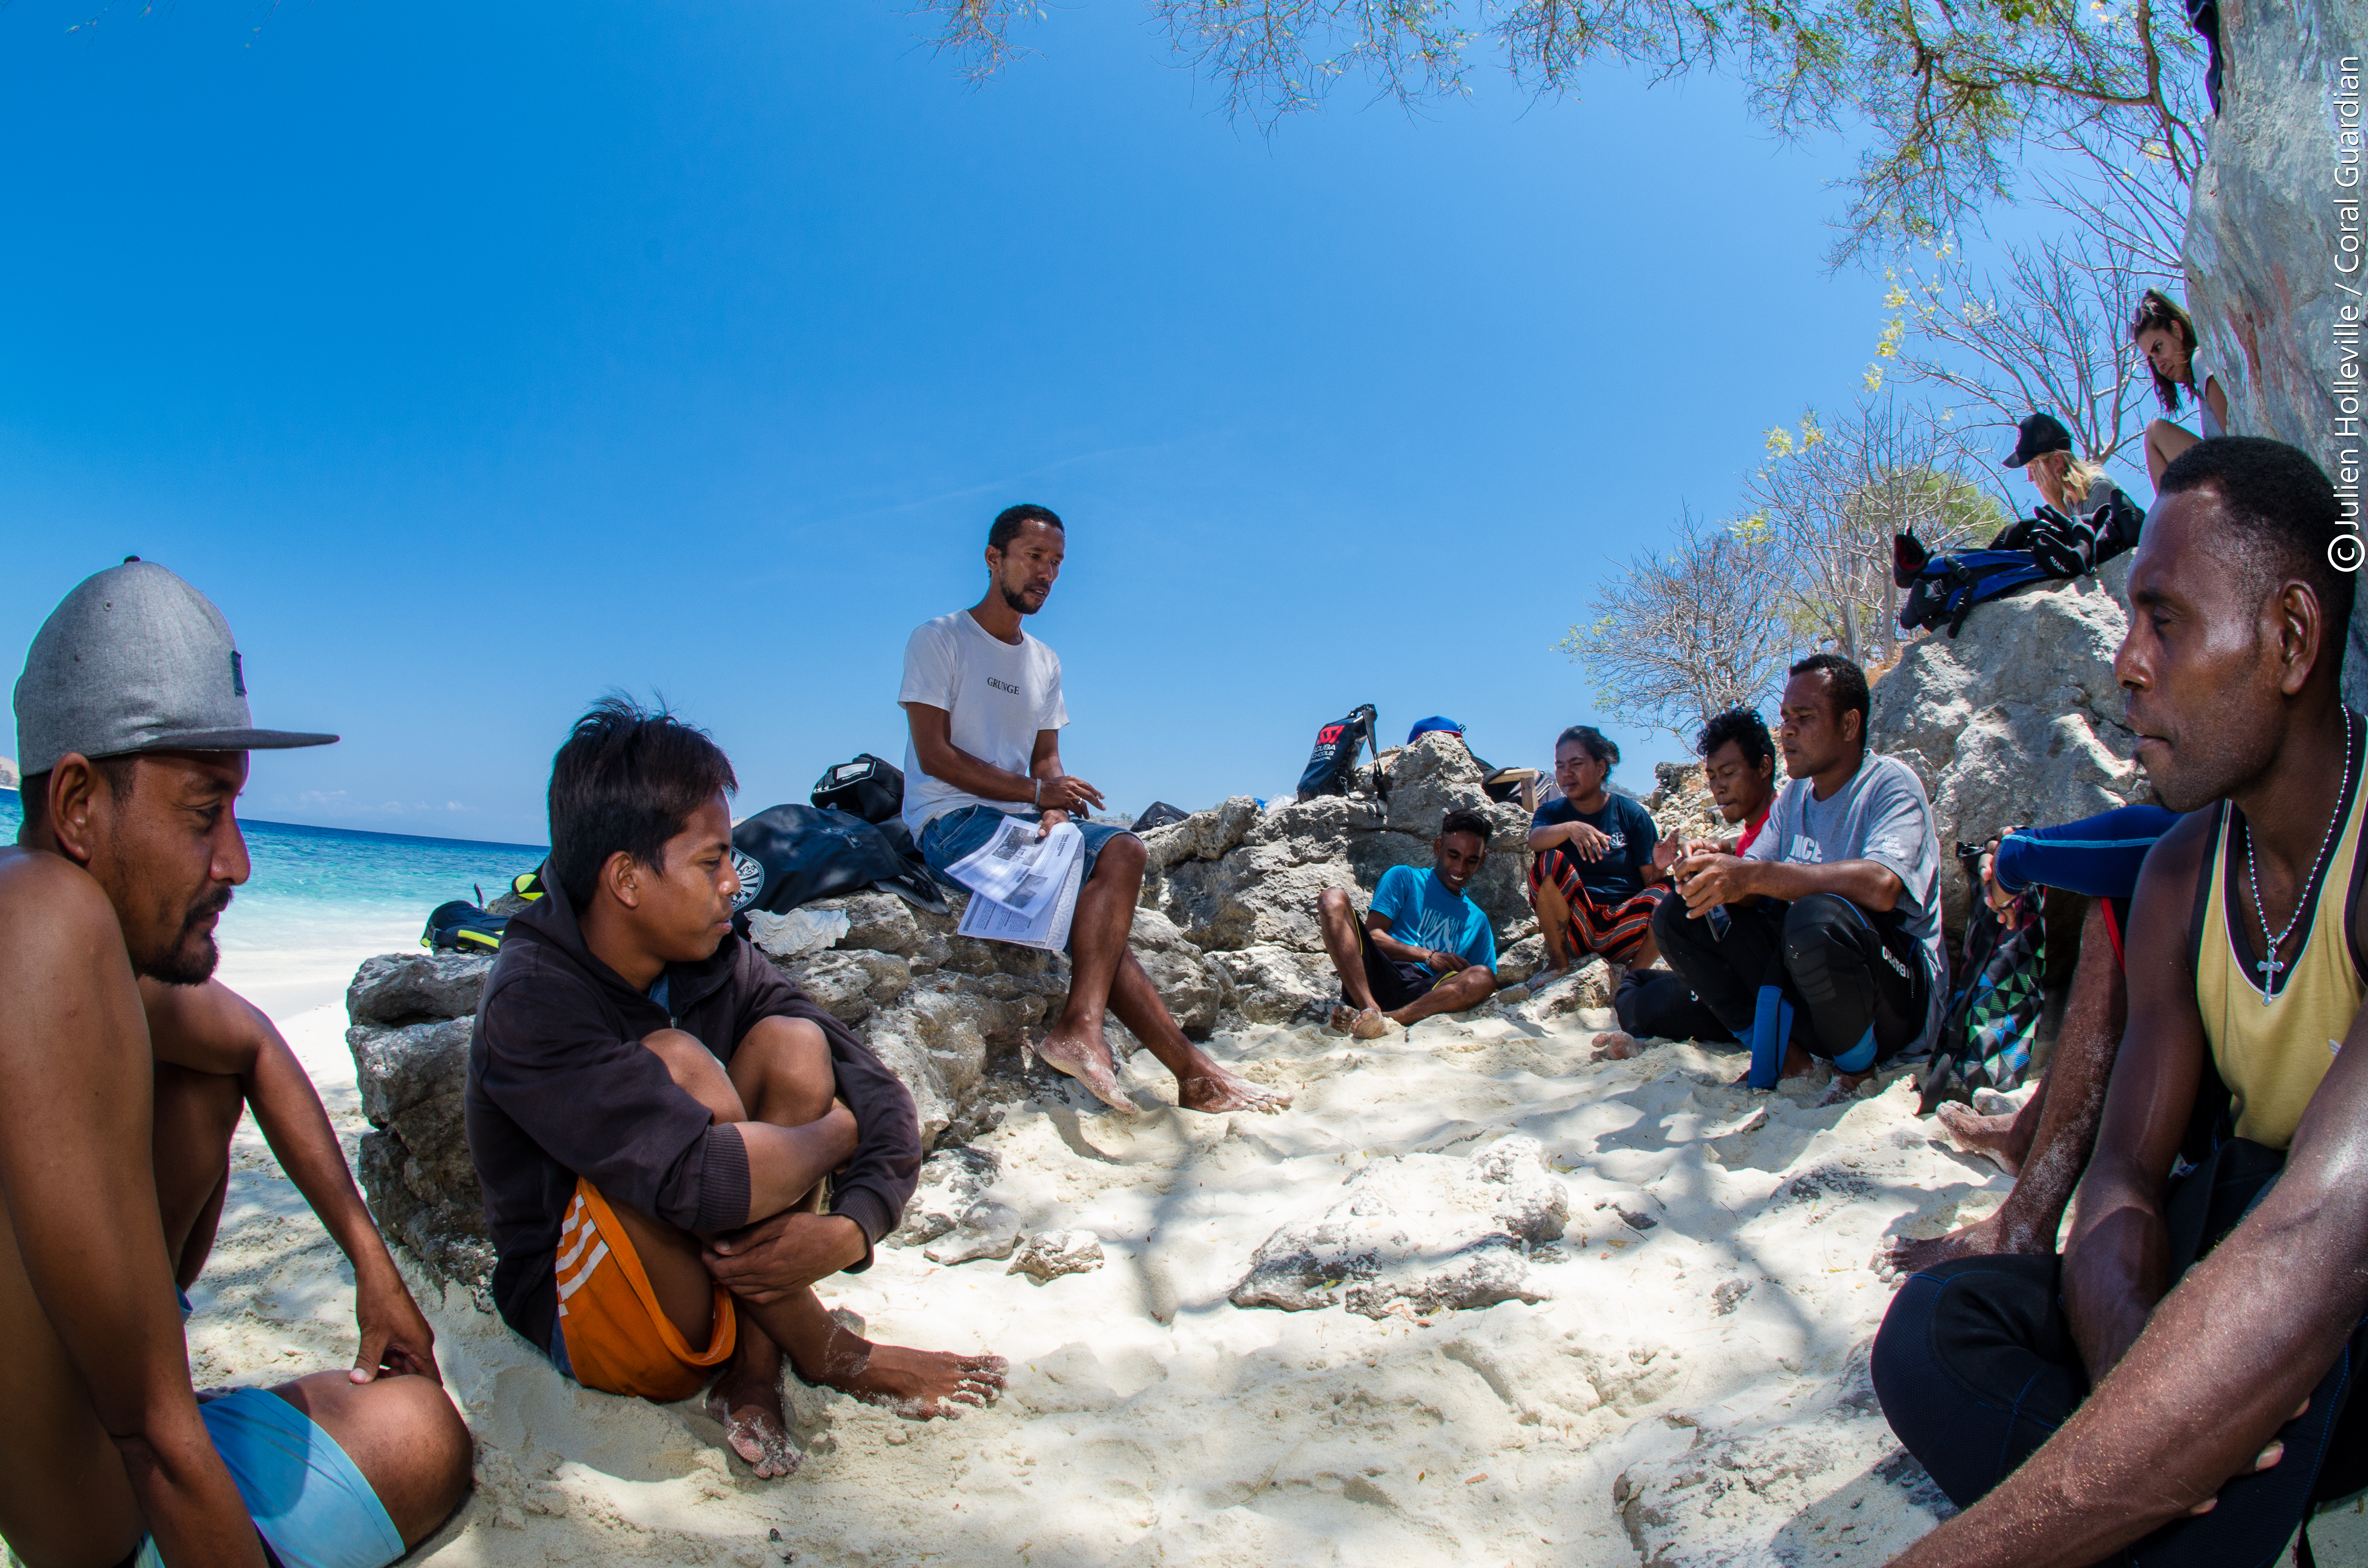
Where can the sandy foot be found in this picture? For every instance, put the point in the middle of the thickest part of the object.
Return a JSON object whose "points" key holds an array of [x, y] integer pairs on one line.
{"points": [[750, 1413], [920, 1385], [1844, 1088], [1088, 1061], [1991, 1136], [1615, 1045], [1219, 1090], [1903, 1256], [1366, 1024]]}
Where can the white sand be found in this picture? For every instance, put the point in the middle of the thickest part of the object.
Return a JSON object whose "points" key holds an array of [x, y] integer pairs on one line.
{"points": [[1148, 1421]]}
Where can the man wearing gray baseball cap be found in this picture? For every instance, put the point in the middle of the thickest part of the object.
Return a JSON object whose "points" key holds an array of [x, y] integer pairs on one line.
{"points": [[127, 1067]]}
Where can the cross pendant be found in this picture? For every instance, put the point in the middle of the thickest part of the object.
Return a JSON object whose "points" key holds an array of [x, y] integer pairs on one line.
{"points": [[2271, 967]]}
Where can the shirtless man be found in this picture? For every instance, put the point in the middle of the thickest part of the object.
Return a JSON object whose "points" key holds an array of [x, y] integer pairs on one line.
{"points": [[127, 1070], [983, 700], [2155, 1388], [654, 1109]]}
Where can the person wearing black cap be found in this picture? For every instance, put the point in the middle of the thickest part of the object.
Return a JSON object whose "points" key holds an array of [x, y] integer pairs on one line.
{"points": [[128, 1067], [2087, 519]]}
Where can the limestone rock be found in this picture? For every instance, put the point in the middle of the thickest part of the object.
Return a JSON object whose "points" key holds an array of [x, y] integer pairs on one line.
{"points": [[413, 1164], [1279, 985], [2265, 233], [1193, 987], [2017, 720], [1051, 1254], [951, 1180], [1518, 963], [974, 1244], [1417, 1233], [1233, 880], [850, 984], [1759, 1495], [408, 988]]}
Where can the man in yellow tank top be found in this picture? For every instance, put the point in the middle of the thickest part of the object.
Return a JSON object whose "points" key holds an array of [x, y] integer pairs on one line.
{"points": [[2228, 1407]]}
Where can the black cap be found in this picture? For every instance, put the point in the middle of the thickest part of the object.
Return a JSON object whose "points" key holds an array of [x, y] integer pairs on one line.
{"points": [[2040, 434]]}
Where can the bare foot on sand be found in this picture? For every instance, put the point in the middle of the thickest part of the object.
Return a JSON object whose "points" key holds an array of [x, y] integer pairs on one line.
{"points": [[918, 1385], [1087, 1059], [749, 1407], [1844, 1088], [1904, 1255], [1214, 1089], [1615, 1045], [1369, 1024], [1978, 1134]]}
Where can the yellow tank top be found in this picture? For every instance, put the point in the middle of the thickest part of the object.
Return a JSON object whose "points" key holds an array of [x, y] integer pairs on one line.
{"points": [[2272, 1051]]}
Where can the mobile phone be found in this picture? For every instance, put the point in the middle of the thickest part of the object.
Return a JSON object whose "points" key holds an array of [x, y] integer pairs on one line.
{"points": [[1721, 922]]}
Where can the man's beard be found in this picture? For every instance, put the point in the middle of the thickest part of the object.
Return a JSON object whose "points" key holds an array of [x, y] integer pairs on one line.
{"points": [[1017, 599], [191, 958]]}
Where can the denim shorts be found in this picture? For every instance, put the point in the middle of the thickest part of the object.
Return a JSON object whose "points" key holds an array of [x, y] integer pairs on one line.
{"points": [[962, 833]]}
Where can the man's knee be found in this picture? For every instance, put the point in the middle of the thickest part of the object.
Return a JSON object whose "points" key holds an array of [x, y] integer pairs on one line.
{"points": [[1122, 856], [404, 1436], [1333, 905], [1669, 924], [697, 1073]]}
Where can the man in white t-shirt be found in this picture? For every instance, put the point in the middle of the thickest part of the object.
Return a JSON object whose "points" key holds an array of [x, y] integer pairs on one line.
{"points": [[982, 701]]}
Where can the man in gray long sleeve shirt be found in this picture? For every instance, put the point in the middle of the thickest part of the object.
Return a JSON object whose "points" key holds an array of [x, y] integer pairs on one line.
{"points": [[653, 1109]]}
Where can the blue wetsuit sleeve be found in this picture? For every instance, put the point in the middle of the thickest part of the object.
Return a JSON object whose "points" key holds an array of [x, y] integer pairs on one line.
{"points": [[2098, 856]]}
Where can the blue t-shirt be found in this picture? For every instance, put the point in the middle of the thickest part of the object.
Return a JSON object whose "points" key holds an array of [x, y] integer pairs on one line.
{"points": [[1423, 914], [1630, 828]]}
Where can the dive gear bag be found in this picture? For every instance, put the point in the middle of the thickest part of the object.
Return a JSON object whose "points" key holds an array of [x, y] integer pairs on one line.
{"points": [[1332, 766]]}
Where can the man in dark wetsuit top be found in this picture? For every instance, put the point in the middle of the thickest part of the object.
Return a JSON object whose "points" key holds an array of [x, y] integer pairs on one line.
{"points": [[2179, 1385]]}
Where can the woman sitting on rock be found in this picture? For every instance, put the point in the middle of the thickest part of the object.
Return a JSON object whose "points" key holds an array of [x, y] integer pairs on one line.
{"points": [[1595, 853], [2166, 338], [2092, 520]]}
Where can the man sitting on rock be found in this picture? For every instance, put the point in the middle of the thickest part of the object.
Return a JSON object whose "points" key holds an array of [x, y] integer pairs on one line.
{"points": [[1592, 854], [1823, 938], [2153, 1387], [127, 1069], [982, 701], [1425, 947], [656, 1114], [1739, 765]]}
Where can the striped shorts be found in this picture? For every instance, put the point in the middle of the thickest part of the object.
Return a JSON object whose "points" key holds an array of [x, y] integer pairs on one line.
{"points": [[1615, 930]]}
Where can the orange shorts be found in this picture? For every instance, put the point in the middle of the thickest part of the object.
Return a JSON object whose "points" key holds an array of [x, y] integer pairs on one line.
{"points": [[617, 1338]]}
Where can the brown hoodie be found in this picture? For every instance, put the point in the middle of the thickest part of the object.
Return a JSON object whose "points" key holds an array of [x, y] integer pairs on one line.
{"points": [[561, 1087]]}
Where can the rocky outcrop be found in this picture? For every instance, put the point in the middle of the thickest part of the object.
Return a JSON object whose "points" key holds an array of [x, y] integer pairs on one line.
{"points": [[2017, 720], [1242, 885], [1416, 1234], [2275, 235], [411, 1015]]}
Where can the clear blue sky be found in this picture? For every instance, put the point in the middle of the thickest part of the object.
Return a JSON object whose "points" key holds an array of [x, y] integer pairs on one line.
{"points": [[476, 360]]}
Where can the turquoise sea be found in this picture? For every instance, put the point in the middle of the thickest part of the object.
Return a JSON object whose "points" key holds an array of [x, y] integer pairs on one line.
{"points": [[322, 899]]}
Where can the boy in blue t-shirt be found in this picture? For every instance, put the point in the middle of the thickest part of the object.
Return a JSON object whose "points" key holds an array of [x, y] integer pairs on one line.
{"points": [[1598, 870], [1426, 947]]}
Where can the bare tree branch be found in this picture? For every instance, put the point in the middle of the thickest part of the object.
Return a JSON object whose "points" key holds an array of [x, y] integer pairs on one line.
{"points": [[1677, 636]]}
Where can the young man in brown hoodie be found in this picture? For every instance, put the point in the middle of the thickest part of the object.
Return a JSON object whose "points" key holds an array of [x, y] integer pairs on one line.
{"points": [[656, 1114]]}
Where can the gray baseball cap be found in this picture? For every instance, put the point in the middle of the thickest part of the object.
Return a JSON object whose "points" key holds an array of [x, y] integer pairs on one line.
{"points": [[134, 659]]}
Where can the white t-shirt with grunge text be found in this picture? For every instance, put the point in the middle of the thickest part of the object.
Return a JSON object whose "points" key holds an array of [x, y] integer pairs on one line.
{"points": [[1000, 695]]}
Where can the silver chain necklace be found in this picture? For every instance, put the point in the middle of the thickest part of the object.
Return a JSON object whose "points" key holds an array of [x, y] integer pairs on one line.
{"points": [[2271, 966]]}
